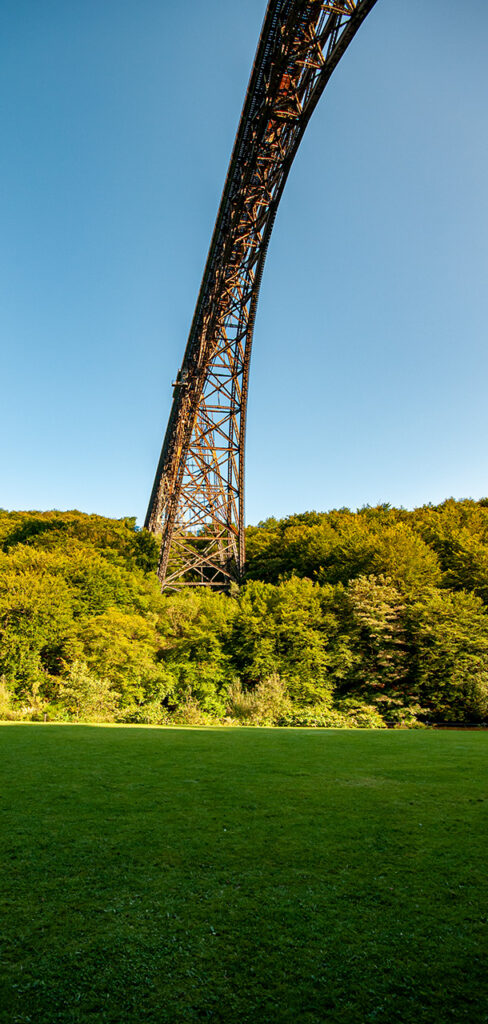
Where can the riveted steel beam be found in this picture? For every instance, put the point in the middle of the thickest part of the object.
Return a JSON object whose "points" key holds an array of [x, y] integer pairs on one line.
{"points": [[197, 501]]}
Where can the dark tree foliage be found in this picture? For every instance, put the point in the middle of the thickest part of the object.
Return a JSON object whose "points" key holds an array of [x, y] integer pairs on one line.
{"points": [[376, 617]]}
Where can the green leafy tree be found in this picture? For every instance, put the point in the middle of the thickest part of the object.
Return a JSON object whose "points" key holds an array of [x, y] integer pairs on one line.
{"points": [[36, 618], [196, 627], [450, 639], [377, 622], [286, 630], [124, 649]]}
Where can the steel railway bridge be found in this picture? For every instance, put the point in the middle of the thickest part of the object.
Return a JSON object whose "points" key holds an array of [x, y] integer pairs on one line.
{"points": [[197, 501]]}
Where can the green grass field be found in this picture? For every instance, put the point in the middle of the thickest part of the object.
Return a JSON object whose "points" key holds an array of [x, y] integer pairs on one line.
{"points": [[242, 875]]}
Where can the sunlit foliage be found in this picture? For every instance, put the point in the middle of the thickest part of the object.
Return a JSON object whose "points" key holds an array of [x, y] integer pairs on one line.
{"points": [[368, 618]]}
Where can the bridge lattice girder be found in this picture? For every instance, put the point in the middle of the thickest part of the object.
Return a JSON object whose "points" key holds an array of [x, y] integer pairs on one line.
{"points": [[197, 501]]}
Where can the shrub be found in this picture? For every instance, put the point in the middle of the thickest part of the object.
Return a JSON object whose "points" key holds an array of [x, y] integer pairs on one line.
{"points": [[7, 711], [360, 715], [189, 712], [266, 704], [317, 716], [86, 697], [346, 715], [149, 713]]}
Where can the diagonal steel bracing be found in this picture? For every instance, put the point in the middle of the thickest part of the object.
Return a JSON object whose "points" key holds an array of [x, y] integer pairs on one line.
{"points": [[197, 501]]}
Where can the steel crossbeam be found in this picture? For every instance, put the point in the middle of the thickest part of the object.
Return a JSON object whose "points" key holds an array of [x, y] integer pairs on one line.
{"points": [[197, 501]]}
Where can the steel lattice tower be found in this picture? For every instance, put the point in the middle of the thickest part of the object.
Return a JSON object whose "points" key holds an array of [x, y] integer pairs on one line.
{"points": [[197, 501]]}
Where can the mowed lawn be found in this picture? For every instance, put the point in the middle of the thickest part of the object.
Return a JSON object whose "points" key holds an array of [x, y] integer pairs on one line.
{"points": [[301, 876]]}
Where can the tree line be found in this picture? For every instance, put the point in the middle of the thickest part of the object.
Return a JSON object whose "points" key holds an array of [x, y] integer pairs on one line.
{"points": [[374, 618]]}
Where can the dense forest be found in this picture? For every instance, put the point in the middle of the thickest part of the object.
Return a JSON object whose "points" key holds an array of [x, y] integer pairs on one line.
{"points": [[376, 618]]}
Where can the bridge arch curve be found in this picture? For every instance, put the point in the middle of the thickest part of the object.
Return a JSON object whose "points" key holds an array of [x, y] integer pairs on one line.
{"points": [[197, 500]]}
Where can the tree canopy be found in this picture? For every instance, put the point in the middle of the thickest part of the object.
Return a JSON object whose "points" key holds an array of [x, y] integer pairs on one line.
{"points": [[375, 617]]}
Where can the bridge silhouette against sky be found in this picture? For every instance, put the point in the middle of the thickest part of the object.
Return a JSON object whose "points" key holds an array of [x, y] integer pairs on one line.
{"points": [[197, 500]]}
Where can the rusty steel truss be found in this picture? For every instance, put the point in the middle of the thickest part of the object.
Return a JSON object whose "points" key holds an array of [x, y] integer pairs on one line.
{"points": [[197, 501]]}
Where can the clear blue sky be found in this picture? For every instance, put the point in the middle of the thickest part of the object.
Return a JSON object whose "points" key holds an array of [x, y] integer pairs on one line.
{"points": [[370, 363]]}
